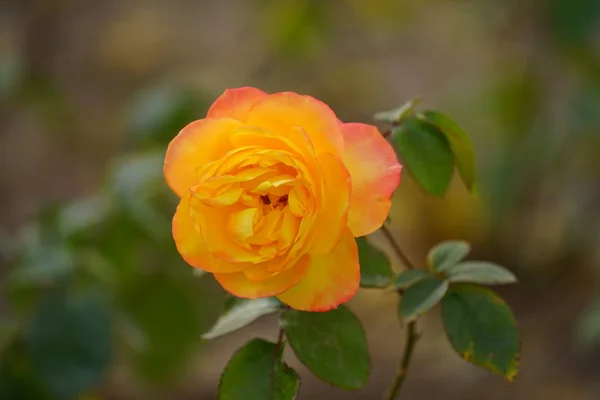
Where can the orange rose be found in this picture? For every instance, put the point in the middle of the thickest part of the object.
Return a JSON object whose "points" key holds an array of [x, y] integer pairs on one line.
{"points": [[273, 190]]}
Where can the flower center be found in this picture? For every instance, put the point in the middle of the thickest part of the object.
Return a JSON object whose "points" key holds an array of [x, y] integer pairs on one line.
{"points": [[260, 202]]}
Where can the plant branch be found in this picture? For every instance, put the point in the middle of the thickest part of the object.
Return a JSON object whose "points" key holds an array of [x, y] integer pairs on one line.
{"points": [[409, 348], [280, 337], [411, 336], [399, 252]]}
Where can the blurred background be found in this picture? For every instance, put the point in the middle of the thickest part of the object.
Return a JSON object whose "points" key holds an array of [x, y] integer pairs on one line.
{"points": [[95, 301]]}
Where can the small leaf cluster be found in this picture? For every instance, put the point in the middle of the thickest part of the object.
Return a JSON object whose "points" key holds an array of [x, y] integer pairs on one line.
{"points": [[478, 323], [431, 144], [332, 345]]}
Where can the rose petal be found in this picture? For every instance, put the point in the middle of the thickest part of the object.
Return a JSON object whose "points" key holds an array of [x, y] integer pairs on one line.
{"points": [[235, 103], [375, 173], [332, 219], [331, 279], [282, 112], [191, 246], [218, 239], [196, 145], [239, 285]]}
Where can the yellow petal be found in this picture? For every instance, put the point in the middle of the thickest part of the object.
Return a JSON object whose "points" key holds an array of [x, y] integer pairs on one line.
{"points": [[332, 218], [375, 173], [191, 246], [239, 285], [241, 225], [283, 112], [289, 230], [331, 279], [196, 145], [235, 103], [213, 222]]}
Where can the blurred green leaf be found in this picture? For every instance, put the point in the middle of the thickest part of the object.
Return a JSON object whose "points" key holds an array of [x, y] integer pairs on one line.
{"points": [[198, 273], [70, 342], [482, 272], [256, 372], [588, 326], [8, 331], [375, 269], [460, 143], [574, 23], [394, 116], [137, 176], [446, 254], [482, 329], [243, 313], [44, 258], [426, 153], [160, 113], [18, 381], [406, 279], [166, 310], [295, 29], [135, 180], [421, 297], [331, 344], [11, 74], [83, 215]]}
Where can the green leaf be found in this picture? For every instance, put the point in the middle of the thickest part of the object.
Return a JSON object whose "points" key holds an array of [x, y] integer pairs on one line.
{"points": [[17, 378], [70, 343], [375, 269], [460, 143], [446, 254], [256, 373], [482, 329], [331, 344], [406, 279], [421, 297], [160, 112], [482, 272], [426, 154], [394, 116], [241, 314], [167, 312]]}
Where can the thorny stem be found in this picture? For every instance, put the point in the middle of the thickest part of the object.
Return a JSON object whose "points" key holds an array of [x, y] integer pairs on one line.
{"points": [[411, 335]]}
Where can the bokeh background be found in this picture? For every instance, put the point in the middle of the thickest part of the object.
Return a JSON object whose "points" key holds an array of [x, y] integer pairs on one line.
{"points": [[96, 303]]}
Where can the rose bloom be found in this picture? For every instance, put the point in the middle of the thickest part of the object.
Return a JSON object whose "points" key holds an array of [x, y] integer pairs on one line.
{"points": [[274, 189]]}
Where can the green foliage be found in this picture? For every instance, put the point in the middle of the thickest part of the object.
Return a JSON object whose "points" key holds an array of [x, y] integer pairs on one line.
{"points": [[70, 343], [482, 329], [482, 272], [18, 380], [426, 153], [375, 268], [397, 114], [409, 277], [243, 312], [588, 327], [331, 344], [421, 297], [460, 144], [164, 310], [117, 239], [447, 254], [574, 22], [160, 112], [256, 372], [294, 28]]}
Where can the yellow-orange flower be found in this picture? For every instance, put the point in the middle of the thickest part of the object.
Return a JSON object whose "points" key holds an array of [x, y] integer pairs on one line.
{"points": [[273, 190]]}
